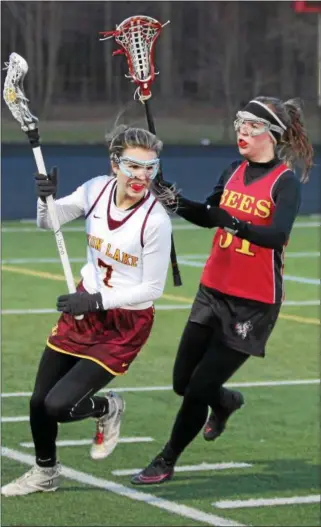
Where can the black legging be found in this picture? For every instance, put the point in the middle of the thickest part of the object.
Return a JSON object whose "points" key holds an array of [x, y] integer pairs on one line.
{"points": [[64, 392], [202, 366]]}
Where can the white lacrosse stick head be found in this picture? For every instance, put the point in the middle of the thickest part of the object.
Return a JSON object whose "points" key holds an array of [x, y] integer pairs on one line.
{"points": [[137, 36], [13, 92]]}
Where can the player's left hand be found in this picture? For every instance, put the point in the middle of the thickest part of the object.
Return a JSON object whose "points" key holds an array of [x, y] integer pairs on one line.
{"points": [[80, 303], [221, 218]]}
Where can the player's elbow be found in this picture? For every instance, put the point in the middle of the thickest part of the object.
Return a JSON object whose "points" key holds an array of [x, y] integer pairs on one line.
{"points": [[43, 224], [155, 291], [284, 237], [279, 240]]}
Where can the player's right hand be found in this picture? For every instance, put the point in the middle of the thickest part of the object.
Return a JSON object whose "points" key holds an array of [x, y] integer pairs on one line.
{"points": [[47, 185]]}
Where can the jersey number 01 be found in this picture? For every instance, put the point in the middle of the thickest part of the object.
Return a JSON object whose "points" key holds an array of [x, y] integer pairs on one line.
{"points": [[244, 244], [108, 273]]}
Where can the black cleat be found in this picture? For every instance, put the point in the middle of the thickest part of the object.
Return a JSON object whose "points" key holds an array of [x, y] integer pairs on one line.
{"points": [[158, 471], [216, 422]]}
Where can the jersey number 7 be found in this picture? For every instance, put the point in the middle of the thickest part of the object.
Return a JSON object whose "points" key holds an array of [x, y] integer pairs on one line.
{"points": [[109, 272]]}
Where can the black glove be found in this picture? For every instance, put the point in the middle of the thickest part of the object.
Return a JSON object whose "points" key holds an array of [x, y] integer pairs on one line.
{"points": [[80, 303], [47, 185], [221, 218]]}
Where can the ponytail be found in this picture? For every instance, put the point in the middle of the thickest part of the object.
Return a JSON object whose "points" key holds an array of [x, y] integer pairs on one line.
{"points": [[295, 147]]}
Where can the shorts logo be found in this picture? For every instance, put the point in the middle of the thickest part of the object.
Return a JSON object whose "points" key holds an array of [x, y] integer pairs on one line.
{"points": [[243, 328]]}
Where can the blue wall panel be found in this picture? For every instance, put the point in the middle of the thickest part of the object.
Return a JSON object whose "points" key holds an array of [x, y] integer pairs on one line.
{"points": [[195, 169]]}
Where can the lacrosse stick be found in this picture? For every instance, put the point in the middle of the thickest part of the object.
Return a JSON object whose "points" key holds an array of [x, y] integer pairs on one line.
{"points": [[137, 36], [14, 96]]}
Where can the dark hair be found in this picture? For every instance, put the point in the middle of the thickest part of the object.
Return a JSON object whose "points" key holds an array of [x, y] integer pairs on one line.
{"points": [[294, 148]]}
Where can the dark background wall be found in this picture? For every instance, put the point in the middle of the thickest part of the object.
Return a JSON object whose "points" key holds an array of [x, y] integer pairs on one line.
{"points": [[218, 53], [212, 58], [195, 169]]}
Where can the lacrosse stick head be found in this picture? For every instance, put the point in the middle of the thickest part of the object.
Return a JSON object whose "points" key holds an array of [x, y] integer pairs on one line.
{"points": [[13, 92], [137, 36]]}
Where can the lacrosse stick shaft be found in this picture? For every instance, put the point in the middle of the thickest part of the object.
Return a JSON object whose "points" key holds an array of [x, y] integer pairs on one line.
{"points": [[56, 227], [149, 117], [17, 102], [176, 272]]}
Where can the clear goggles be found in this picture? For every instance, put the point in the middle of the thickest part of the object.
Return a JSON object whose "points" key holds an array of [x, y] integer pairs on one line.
{"points": [[253, 125], [129, 165]]}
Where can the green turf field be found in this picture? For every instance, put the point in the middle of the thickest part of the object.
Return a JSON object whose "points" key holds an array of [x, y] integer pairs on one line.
{"points": [[273, 444]]}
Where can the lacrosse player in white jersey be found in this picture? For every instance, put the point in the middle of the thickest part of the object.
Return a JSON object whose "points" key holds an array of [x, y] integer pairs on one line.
{"points": [[128, 250]]}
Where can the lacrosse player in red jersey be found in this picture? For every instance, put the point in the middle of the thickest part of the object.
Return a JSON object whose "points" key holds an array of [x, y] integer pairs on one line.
{"points": [[254, 206], [128, 249]]}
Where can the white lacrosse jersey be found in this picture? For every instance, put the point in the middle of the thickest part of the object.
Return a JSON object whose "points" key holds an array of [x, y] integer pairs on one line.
{"points": [[128, 251]]}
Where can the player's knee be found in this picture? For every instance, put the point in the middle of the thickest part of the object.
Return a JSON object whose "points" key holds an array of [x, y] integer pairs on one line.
{"points": [[194, 392], [179, 389], [37, 402], [179, 385], [55, 408]]}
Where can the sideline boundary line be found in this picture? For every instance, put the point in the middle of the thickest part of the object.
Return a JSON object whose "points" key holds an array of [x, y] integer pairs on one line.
{"points": [[267, 502], [111, 486]]}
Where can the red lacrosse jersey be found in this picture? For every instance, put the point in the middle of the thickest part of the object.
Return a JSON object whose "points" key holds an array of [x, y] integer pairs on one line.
{"points": [[237, 267]]}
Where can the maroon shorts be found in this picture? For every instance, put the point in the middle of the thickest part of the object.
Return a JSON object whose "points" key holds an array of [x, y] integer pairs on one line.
{"points": [[111, 338]]}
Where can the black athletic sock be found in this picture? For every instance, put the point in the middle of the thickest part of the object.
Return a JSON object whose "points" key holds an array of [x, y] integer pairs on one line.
{"points": [[44, 432], [169, 455], [46, 463]]}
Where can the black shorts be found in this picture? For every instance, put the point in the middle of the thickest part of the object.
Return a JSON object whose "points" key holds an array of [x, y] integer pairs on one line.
{"points": [[242, 324]]}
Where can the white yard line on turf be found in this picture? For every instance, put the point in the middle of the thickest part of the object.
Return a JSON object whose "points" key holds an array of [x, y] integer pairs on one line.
{"points": [[251, 384], [297, 279], [49, 311], [16, 419], [13, 261], [188, 468], [312, 254], [25, 230], [301, 303], [268, 502], [198, 256], [301, 279], [17, 261], [175, 227], [136, 495], [83, 442], [158, 307]]}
